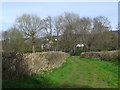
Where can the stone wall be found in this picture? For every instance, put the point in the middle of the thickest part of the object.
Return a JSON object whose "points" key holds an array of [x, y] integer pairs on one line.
{"points": [[15, 65]]}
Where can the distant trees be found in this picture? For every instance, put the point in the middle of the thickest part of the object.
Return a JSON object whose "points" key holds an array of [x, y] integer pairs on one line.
{"points": [[5, 37], [48, 29], [83, 30], [61, 32], [13, 40], [94, 33], [101, 36], [104, 41], [101, 24], [48, 25], [58, 25], [68, 38]]}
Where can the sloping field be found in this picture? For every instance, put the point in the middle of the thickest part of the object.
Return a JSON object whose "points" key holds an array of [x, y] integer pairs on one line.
{"points": [[75, 73]]}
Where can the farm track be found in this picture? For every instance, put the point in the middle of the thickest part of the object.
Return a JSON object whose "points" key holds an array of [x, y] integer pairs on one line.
{"points": [[85, 76]]}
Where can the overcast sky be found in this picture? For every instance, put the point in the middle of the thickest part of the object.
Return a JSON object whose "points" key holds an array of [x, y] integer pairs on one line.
{"points": [[11, 10]]}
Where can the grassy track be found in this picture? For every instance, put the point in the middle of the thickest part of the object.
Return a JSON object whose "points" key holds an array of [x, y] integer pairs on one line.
{"points": [[75, 73]]}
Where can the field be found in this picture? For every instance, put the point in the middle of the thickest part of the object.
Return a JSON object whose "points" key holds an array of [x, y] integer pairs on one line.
{"points": [[75, 73]]}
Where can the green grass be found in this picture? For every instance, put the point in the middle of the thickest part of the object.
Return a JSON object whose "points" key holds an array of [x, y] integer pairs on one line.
{"points": [[75, 73]]}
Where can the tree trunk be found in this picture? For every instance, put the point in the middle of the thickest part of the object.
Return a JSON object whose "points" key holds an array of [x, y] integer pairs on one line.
{"points": [[33, 44], [33, 48]]}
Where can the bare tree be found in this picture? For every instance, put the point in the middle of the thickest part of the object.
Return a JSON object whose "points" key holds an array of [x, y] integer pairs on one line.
{"points": [[58, 25], [30, 25], [48, 28], [83, 28], [101, 24], [48, 25], [68, 38], [70, 20]]}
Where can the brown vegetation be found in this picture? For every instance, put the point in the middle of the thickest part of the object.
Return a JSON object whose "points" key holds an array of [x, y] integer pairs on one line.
{"points": [[103, 55], [18, 64]]}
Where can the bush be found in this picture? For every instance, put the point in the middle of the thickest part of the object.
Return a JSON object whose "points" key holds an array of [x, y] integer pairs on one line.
{"points": [[104, 55], [15, 65], [78, 51]]}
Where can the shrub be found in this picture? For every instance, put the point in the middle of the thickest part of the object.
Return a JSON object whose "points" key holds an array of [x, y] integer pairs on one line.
{"points": [[78, 51], [104, 55], [16, 65]]}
